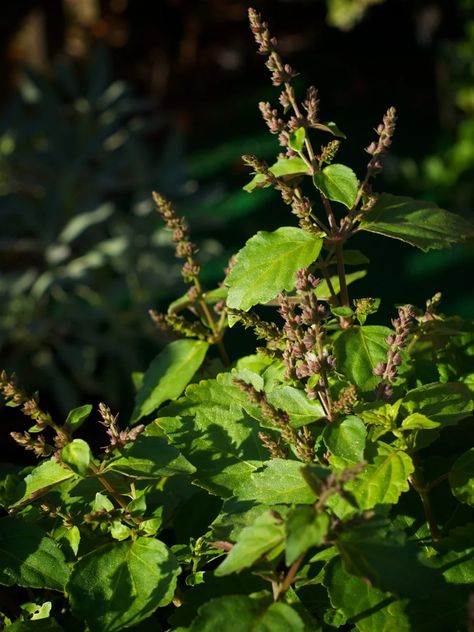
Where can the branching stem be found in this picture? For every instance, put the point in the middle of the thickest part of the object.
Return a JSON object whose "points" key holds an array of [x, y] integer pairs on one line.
{"points": [[290, 576]]}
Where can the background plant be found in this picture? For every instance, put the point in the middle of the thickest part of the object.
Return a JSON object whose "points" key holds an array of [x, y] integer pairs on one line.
{"points": [[82, 256], [322, 482]]}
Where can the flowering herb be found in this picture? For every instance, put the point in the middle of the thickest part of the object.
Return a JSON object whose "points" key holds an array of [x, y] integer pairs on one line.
{"points": [[323, 482]]}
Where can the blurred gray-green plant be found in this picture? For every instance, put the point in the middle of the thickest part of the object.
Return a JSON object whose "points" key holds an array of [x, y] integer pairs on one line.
{"points": [[344, 14], [445, 174], [81, 255]]}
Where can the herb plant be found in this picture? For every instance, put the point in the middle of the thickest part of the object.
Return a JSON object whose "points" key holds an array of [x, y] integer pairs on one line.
{"points": [[324, 482]]}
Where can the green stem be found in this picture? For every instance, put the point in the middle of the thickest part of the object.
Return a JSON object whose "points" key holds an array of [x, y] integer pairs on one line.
{"points": [[327, 403], [119, 499], [329, 213], [417, 483], [290, 576], [216, 331], [318, 222]]}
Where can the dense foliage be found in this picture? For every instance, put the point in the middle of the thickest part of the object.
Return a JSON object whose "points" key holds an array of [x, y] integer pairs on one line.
{"points": [[323, 482]]}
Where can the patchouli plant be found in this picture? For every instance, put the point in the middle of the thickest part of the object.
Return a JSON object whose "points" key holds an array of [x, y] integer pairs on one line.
{"points": [[324, 482]]}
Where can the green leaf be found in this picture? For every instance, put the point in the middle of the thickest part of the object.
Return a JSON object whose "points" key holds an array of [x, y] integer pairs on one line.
{"points": [[231, 613], [39, 625], [264, 535], [69, 537], [267, 265], [338, 183], [293, 401], [387, 561], [278, 481], [443, 403], [42, 479], [77, 455], [358, 350], [211, 427], [371, 610], [151, 456], [77, 416], [304, 529], [331, 127], [419, 223], [168, 375], [120, 584], [346, 439], [461, 477], [297, 138], [415, 421], [29, 558], [282, 167], [456, 556], [36, 611], [279, 617], [239, 613], [342, 312], [382, 482]]}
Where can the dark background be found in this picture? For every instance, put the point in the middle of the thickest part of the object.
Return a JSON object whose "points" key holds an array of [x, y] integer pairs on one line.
{"points": [[181, 82]]}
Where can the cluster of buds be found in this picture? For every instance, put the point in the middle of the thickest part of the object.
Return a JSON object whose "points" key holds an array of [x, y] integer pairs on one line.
{"points": [[184, 249], [102, 516], [176, 325], [291, 195], [118, 439], [17, 397], [311, 105], [347, 400], [260, 168], [301, 440], [274, 448], [305, 355], [432, 306], [281, 75], [385, 131], [266, 44], [270, 116], [36, 444], [328, 152], [262, 328], [388, 370]]}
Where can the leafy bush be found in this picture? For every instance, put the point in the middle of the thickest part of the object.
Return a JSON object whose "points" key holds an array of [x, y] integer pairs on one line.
{"points": [[323, 482]]}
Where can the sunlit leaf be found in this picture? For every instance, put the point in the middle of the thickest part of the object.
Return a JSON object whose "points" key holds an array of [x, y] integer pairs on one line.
{"points": [[270, 261], [120, 584], [417, 222]]}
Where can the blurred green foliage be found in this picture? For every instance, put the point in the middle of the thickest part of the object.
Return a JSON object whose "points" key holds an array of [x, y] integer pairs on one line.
{"points": [[82, 255], [446, 175], [344, 14]]}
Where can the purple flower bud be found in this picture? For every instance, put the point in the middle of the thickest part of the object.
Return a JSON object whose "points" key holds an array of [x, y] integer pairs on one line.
{"points": [[372, 148], [380, 369], [397, 359]]}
